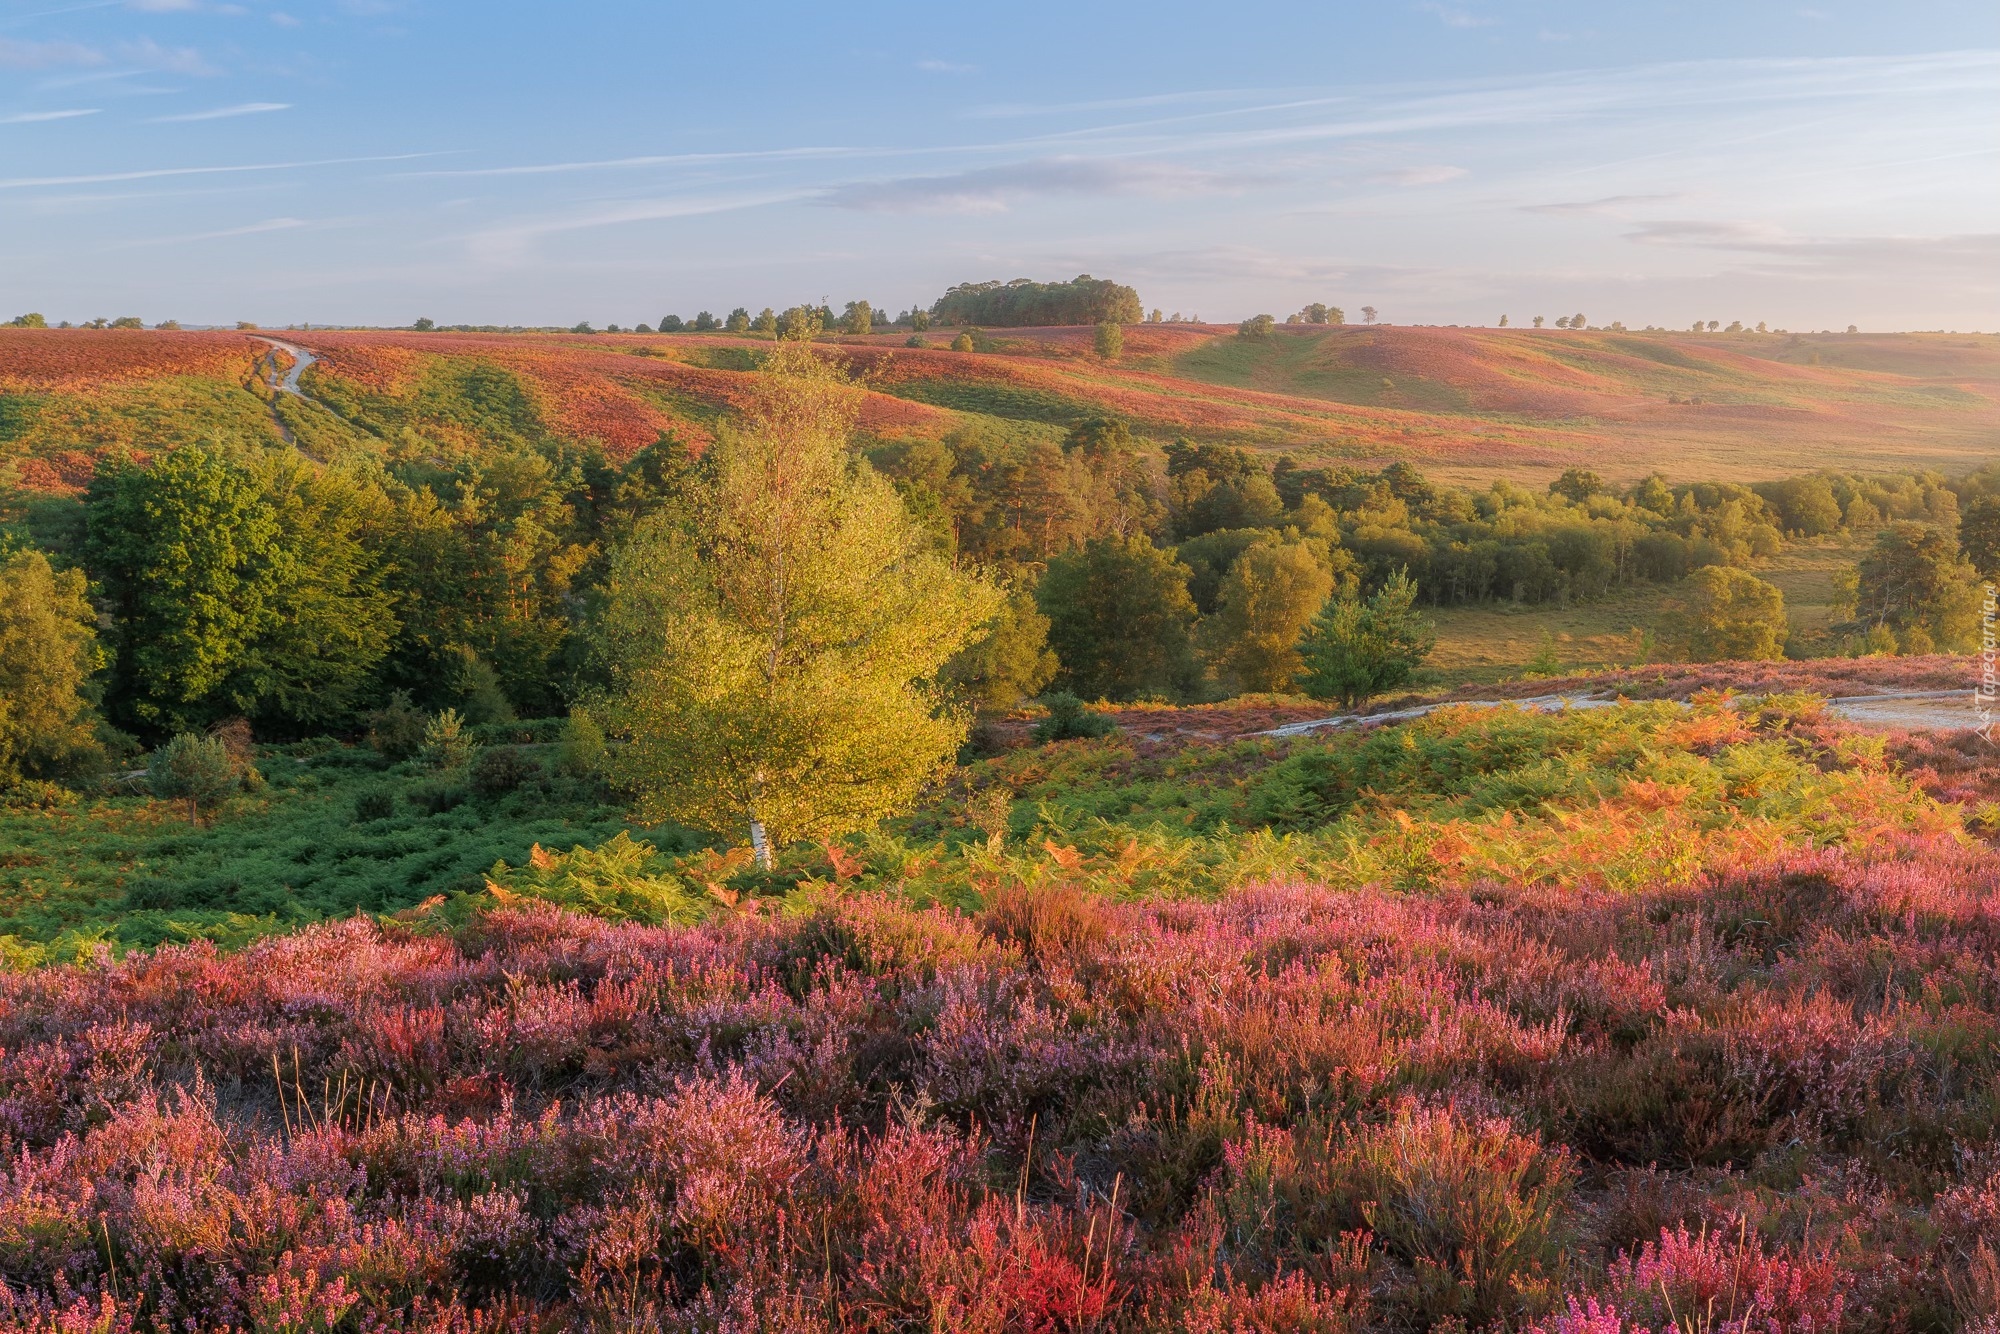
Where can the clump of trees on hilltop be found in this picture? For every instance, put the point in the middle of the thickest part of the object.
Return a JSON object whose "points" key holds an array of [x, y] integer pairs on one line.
{"points": [[1024, 302]]}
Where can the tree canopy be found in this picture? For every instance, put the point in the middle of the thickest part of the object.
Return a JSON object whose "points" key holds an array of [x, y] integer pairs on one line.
{"points": [[238, 592], [1119, 618], [1725, 614], [1081, 300], [775, 639], [48, 652]]}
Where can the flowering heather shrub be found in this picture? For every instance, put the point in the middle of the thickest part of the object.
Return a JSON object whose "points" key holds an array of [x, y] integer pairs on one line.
{"points": [[1730, 1286], [1290, 1108]]}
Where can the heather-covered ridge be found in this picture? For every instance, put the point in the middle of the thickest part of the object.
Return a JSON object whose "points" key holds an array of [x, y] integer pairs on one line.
{"points": [[1765, 1093], [1464, 403]]}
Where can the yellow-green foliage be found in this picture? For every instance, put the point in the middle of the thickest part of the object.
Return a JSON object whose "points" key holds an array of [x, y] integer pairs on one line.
{"points": [[622, 880], [1621, 796]]}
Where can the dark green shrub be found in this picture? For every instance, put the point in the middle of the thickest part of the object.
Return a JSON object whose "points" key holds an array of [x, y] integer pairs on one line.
{"points": [[397, 728], [375, 804], [518, 732], [437, 798], [503, 769], [1069, 719]]}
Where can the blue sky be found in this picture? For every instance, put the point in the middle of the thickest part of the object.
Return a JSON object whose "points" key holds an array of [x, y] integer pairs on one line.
{"points": [[369, 161]]}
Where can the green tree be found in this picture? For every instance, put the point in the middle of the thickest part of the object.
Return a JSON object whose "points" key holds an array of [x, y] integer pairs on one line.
{"points": [[424, 324], [31, 320], [858, 318], [1271, 593], [738, 321], [777, 638], [1913, 578], [1979, 536], [1119, 619], [580, 750], [1727, 614], [1082, 300], [187, 551], [962, 343], [1012, 663], [766, 322], [446, 746], [1257, 326], [1355, 649], [1576, 485], [396, 730], [801, 324], [1109, 341], [196, 769], [237, 593], [48, 653]]}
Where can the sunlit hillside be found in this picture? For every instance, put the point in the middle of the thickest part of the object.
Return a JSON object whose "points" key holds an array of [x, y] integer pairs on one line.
{"points": [[1462, 403]]}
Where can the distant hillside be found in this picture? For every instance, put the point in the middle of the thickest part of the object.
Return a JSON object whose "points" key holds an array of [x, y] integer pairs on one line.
{"points": [[1461, 403]]}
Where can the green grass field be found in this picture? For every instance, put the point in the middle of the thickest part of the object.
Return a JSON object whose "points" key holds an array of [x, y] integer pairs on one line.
{"points": [[327, 834], [1499, 641]]}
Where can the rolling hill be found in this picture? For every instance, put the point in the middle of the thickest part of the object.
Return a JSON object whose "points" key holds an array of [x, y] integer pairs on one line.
{"points": [[1462, 403]]}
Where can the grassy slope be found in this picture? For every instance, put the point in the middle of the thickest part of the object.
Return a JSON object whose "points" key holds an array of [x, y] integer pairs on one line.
{"points": [[295, 850], [1465, 403], [1489, 642]]}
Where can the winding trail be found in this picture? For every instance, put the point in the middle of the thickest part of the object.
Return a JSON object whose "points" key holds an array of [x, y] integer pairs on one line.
{"points": [[1942, 710], [288, 381], [301, 359]]}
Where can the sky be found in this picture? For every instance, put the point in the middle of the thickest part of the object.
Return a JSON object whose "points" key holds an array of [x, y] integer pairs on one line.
{"points": [[1445, 161]]}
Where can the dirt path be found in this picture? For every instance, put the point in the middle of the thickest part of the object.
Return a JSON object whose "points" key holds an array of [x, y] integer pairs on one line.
{"points": [[286, 382], [1939, 710]]}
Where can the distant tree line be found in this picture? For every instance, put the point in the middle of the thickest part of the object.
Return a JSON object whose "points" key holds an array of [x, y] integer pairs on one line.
{"points": [[1024, 302]]}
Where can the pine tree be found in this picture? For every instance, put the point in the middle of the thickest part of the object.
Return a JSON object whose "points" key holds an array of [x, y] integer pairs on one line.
{"points": [[1355, 649]]}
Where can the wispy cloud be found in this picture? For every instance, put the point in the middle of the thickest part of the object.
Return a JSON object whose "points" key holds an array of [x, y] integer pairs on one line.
{"points": [[1611, 206], [1203, 95], [509, 243], [1456, 16], [18, 54], [945, 67], [159, 173], [36, 117], [1972, 256], [653, 160], [248, 229], [1436, 175], [151, 55], [994, 189], [225, 113]]}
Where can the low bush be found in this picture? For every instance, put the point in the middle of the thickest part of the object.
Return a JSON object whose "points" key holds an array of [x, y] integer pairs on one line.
{"points": [[1069, 719], [499, 770], [376, 804]]}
